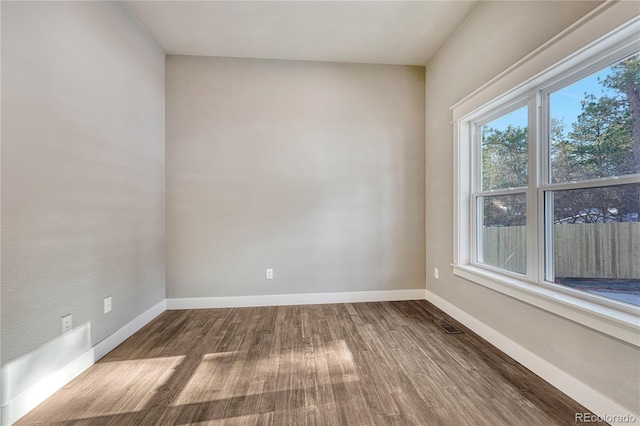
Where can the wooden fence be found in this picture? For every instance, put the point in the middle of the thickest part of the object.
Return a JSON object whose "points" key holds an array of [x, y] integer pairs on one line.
{"points": [[586, 250], [505, 248]]}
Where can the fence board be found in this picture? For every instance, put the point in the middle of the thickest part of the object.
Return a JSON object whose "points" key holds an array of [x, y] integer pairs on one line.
{"points": [[505, 247], [585, 250]]}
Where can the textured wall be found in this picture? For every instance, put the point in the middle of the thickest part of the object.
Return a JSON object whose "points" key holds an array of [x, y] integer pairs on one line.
{"points": [[82, 170], [471, 58], [313, 169]]}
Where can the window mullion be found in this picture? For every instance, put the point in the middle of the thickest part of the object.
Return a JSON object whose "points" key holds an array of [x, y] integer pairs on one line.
{"points": [[547, 266], [506, 191], [479, 250], [593, 183], [476, 173], [544, 233], [532, 210]]}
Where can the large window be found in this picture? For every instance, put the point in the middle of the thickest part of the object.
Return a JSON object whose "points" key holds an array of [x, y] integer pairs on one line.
{"points": [[589, 159], [551, 175]]}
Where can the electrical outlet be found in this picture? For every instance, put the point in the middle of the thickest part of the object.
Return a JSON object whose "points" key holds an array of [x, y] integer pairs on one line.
{"points": [[66, 323], [107, 304], [269, 274], [436, 274]]}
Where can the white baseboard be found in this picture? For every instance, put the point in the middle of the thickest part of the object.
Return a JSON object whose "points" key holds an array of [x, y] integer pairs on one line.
{"points": [[107, 345], [34, 377], [569, 385], [44, 388], [294, 299]]}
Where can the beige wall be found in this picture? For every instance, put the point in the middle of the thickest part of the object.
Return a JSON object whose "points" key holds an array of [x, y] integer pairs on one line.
{"points": [[472, 57], [313, 169], [82, 170]]}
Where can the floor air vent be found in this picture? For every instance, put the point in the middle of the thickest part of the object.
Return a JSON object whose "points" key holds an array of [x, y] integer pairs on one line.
{"points": [[448, 328]]}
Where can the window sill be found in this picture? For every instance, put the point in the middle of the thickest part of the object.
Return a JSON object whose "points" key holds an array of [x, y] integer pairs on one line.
{"points": [[608, 320]]}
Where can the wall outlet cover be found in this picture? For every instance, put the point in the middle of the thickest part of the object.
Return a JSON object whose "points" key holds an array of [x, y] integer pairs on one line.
{"points": [[66, 324]]}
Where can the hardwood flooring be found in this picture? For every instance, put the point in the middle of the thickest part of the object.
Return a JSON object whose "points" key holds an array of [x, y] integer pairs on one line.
{"points": [[388, 363]]}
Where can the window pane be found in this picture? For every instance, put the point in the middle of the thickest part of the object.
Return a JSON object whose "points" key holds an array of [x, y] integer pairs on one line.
{"points": [[595, 124], [505, 151], [503, 235], [596, 241]]}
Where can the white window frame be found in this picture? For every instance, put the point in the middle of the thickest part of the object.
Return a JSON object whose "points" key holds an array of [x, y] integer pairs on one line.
{"points": [[476, 180], [606, 33]]}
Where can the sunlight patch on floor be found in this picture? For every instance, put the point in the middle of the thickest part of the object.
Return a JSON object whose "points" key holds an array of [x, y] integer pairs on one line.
{"points": [[221, 375], [128, 385]]}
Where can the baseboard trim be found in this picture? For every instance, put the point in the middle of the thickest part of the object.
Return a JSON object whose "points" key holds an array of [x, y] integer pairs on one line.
{"points": [[107, 345], [569, 385], [35, 394], [294, 299], [20, 404]]}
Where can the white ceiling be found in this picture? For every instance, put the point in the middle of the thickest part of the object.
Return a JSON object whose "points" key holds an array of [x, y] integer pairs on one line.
{"points": [[383, 32]]}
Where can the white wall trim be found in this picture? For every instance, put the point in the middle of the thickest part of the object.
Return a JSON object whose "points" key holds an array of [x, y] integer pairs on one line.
{"points": [[35, 394], [16, 406], [569, 385], [294, 299], [107, 345]]}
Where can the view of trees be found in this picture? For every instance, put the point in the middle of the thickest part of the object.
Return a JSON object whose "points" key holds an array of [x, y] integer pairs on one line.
{"points": [[604, 141]]}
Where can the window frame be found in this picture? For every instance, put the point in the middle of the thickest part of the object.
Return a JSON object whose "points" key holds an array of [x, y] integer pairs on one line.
{"points": [[478, 193], [592, 43]]}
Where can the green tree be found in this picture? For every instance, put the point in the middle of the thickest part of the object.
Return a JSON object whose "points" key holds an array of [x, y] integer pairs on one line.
{"points": [[504, 157], [625, 78], [604, 141], [601, 138], [505, 160], [564, 167]]}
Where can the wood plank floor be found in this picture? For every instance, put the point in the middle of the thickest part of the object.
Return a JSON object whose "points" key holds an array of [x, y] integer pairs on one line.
{"points": [[388, 363]]}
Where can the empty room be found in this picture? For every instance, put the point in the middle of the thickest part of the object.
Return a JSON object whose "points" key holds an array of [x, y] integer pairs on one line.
{"points": [[320, 212]]}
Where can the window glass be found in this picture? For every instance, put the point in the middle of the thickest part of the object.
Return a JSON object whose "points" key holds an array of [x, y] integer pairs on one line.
{"points": [[505, 151], [503, 235], [595, 124], [596, 240]]}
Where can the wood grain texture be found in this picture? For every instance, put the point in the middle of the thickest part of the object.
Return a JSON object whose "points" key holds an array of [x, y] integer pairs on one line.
{"points": [[387, 363]]}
